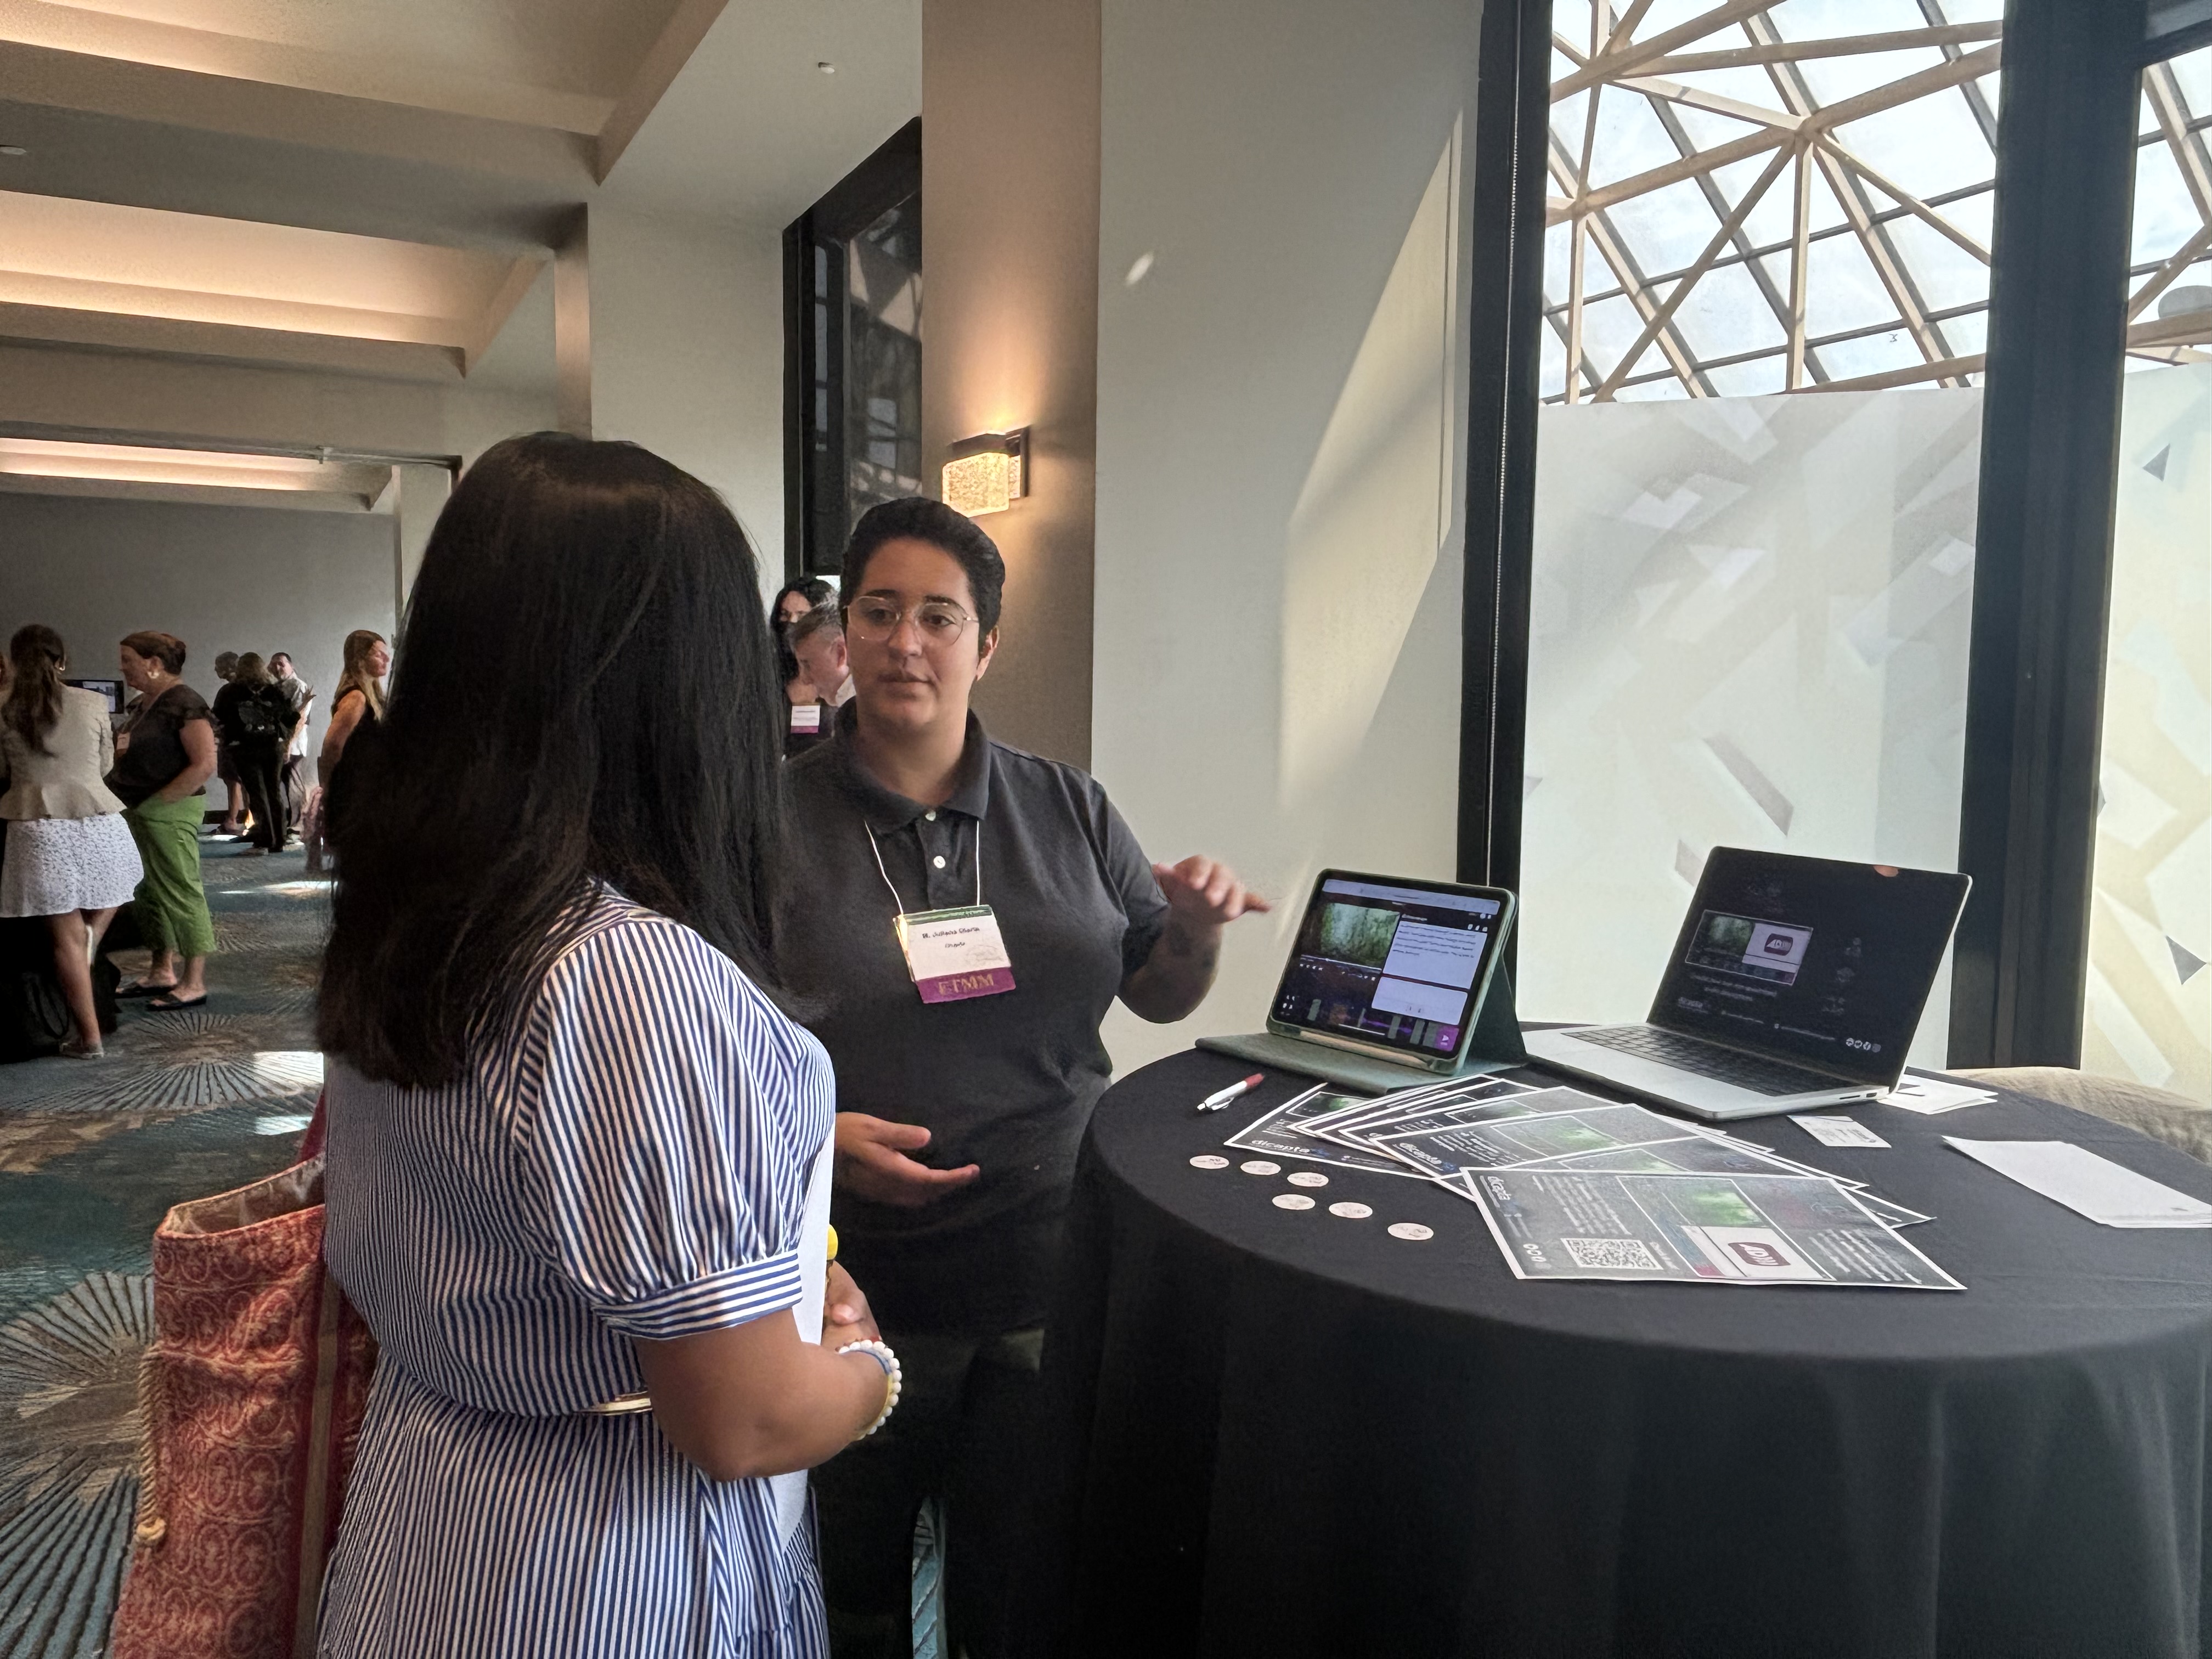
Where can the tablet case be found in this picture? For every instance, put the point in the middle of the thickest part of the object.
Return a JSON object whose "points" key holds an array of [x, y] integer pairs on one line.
{"points": [[1494, 1045]]}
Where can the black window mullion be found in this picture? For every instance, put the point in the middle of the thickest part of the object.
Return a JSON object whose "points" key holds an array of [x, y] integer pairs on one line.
{"points": [[2043, 565], [1512, 114]]}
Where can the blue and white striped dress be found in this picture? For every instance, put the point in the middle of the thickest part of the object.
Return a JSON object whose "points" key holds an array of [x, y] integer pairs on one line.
{"points": [[634, 1163]]}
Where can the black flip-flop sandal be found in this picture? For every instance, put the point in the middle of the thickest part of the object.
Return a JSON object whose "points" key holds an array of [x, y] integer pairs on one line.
{"points": [[138, 988], [171, 1005]]}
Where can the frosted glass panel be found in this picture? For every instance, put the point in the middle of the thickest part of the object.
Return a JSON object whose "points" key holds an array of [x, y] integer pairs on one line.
{"points": [[1749, 628], [2149, 1014]]}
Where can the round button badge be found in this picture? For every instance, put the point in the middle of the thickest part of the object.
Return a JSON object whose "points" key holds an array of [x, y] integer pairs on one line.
{"points": [[1350, 1211], [1292, 1201], [1412, 1230], [1309, 1178], [1259, 1166], [1208, 1161]]}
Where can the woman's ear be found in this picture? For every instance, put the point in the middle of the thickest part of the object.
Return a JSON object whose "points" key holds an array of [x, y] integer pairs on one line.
{"points": [[989, 649]]}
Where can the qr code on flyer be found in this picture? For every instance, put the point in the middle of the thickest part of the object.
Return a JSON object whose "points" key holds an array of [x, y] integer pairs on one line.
{"points": [[1612, 1253]]}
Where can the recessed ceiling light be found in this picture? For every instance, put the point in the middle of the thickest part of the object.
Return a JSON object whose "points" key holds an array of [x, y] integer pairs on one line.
{"points": [[13, 149], [827, 67]]}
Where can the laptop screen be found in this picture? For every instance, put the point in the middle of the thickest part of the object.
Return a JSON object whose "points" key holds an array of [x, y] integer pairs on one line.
{"points": [[1810, 959], [1394, 963]]}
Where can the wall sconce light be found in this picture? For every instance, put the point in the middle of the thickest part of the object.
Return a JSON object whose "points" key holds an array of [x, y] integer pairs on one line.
{"points": [[987, 473]]}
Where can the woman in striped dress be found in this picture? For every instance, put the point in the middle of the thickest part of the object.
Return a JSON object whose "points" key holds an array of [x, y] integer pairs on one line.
{"points": [[577, 1156]]}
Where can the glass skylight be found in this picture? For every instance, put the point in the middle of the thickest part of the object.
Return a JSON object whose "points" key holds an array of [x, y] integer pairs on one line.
{"points": [[1799, 197]]}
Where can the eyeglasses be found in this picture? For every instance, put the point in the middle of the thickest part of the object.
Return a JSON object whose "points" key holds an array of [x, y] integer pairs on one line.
{"points": [[939, 622]]}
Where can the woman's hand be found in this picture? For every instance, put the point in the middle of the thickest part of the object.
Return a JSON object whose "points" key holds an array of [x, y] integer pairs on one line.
{"points": [[845, 1315], [872, 1162], [1202, 892], [1204, 895]]}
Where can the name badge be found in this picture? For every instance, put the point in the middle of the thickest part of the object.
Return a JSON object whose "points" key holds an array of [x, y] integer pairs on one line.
{"points": [[956, 954], [806, 717]]}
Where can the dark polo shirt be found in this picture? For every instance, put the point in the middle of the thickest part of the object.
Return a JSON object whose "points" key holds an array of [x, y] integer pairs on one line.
{"points": [[1003, 1082]]}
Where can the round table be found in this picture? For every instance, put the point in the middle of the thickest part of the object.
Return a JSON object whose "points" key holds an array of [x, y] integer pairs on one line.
{"points": [[1284, 1432]]}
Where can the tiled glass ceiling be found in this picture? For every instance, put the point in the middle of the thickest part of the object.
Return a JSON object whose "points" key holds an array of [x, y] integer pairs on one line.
{"points": [[1754, 197]]}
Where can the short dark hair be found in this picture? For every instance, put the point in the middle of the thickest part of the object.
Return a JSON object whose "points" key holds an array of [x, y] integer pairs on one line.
{"points": [[954, 534], [821, 618], [165, 648], [586, 699]]}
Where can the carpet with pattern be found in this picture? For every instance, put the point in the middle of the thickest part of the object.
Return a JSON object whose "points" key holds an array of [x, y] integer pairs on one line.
{"points": [[91, 1153]]}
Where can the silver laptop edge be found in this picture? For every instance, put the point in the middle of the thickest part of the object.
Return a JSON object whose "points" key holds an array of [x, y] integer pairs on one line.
{"points": [[1701, 1096]]}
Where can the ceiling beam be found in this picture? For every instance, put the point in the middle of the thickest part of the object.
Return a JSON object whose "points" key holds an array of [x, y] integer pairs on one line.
{"points": [[1673, 173], [1632, 284], [2180, 260], [1631, 56], [1824, 119], [1681, 291], [2191, 328], [664, 61], [1697, 98], [1792, 51], [1912, 204]]}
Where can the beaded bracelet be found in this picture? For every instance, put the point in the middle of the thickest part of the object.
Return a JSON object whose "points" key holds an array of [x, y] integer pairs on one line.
{"points": [[881, 1353]]}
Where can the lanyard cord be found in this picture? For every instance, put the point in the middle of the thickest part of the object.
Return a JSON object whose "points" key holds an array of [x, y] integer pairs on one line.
{"points": [[899, 904]]}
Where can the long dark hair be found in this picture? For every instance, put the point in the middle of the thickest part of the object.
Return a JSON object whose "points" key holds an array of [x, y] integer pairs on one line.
{"points": [[35, 656], [583, 696], [815, 592]]}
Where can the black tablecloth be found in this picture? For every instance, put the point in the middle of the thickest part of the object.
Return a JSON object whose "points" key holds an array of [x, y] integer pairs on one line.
{"points": [[1286, 1433]]}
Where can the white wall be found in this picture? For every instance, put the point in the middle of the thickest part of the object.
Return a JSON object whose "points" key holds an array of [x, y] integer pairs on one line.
{"points": [[220, 578], [686, 330], [1280, 414], [1010, 223]]}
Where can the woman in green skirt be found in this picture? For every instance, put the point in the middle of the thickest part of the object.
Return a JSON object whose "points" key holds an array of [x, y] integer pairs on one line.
{"points": [[165, 754]]}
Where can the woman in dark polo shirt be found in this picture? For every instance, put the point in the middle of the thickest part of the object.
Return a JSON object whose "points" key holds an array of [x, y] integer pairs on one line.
{"points": [[966, 1047]]}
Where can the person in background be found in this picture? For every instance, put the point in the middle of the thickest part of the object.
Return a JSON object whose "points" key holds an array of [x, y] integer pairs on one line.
{"points": [[165, 755], [358, 701], [300, 697], [818, 640], [235, 807], [355, 709], [961, 1096], [792, 601], [255, 721], [818, 644], [70, 858], [577, 1156]]}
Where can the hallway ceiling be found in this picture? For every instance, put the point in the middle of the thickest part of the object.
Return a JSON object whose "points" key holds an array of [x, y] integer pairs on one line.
{"points": [[372, 187]]}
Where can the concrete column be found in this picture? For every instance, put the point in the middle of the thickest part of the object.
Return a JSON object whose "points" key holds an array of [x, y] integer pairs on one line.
{"points": [[684, 320], [1010, 324], [419, 496], [1281, 391]]}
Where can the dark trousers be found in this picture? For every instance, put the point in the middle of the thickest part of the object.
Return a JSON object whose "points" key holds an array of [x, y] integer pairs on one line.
{"points": [[257, 770], [292, 779], [960, 1435]]}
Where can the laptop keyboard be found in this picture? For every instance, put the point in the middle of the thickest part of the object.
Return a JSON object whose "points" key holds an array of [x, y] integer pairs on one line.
{"points": [[1709, 1059]]}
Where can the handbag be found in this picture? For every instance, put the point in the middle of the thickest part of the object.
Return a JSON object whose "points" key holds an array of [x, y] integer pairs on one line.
{"points": [[251, 1400]]}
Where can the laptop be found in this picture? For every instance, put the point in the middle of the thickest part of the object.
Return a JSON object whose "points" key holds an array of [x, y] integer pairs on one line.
{"points": [[1794, 982], [1386, 977]]}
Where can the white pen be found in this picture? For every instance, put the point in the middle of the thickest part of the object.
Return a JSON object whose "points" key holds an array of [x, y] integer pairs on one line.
{"points": [[1214, 1103]]}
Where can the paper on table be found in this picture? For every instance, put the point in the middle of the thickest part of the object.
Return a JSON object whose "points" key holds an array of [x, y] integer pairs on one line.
{"points": [[1743, 1230], [1283, 1134], [1837, 1131], [2089, 1185], [1929, 1095]]}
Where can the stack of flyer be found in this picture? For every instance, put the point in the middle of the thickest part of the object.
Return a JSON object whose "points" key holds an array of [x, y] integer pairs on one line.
{"points": [[1573, 1187]]}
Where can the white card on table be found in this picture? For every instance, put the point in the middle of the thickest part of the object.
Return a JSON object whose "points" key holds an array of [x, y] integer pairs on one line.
{"points": [[1837, 1131]]}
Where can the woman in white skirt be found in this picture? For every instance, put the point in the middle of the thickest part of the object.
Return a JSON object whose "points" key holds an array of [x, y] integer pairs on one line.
{"points": [[70, 856]]}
